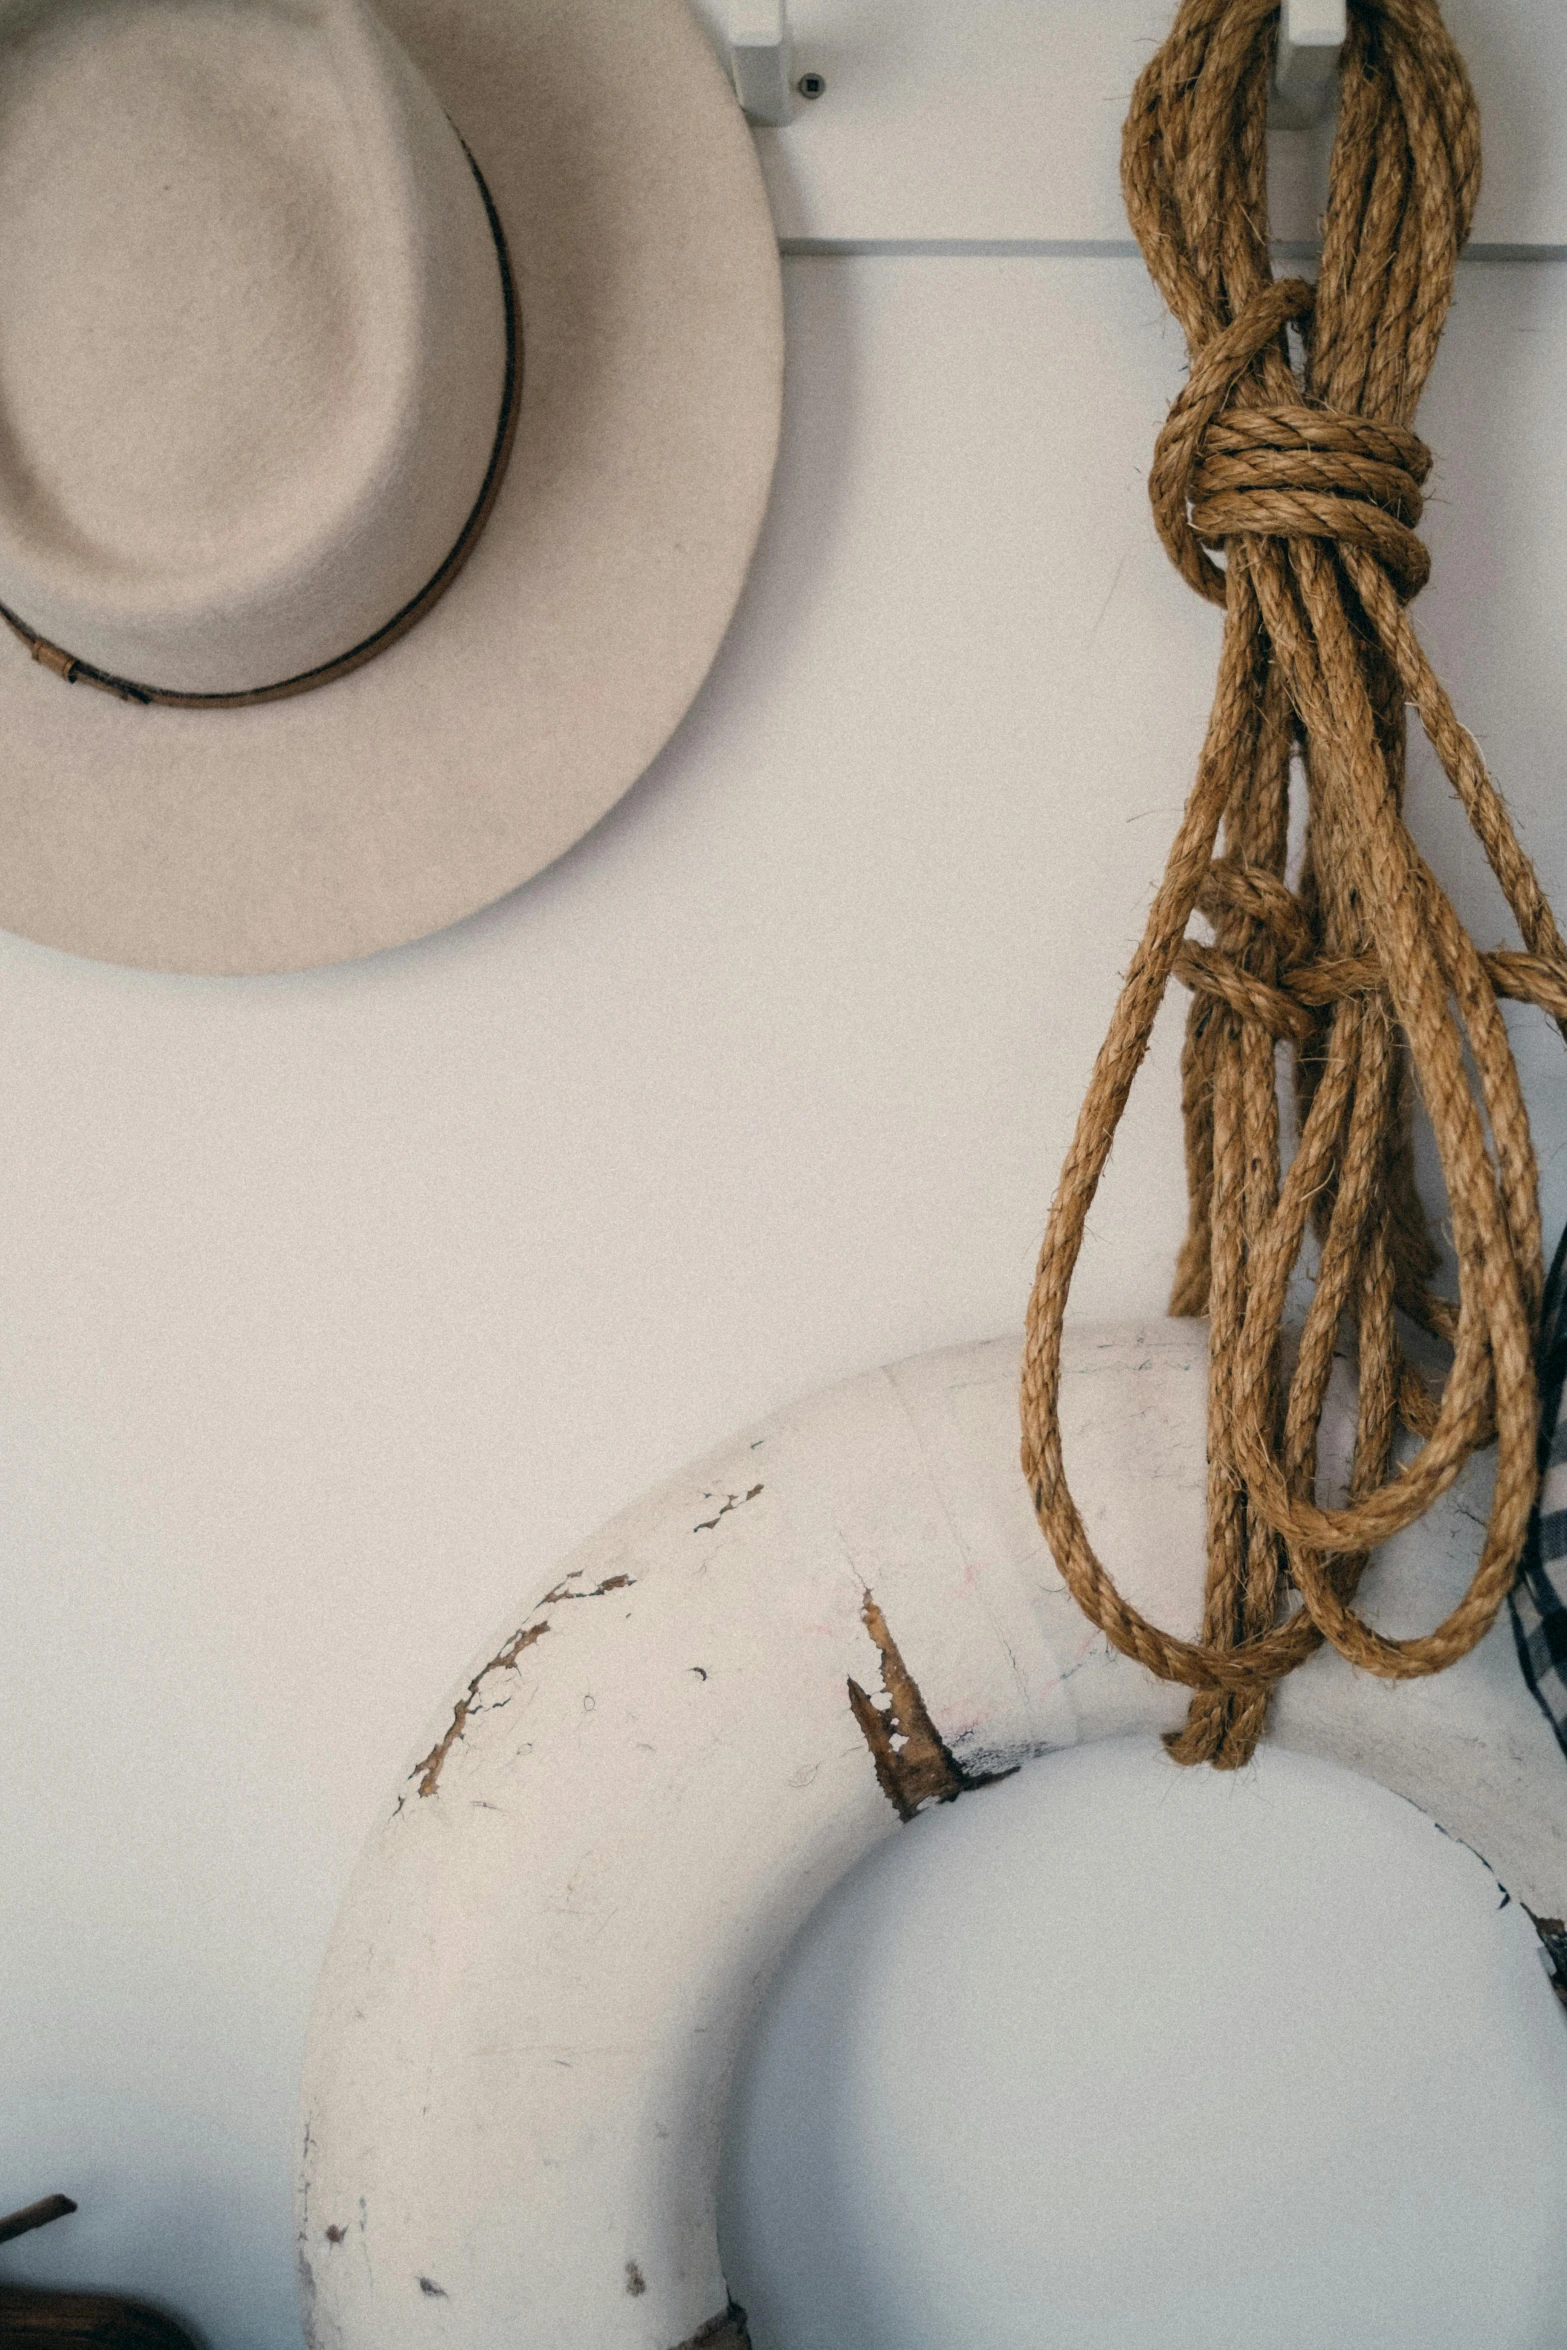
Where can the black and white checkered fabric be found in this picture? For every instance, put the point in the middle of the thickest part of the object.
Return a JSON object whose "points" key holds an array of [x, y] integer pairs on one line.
{"points": [[1539, 1600]]}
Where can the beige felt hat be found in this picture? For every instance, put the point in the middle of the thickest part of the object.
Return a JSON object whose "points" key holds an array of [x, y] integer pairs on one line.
{"points": [[388, 402]]}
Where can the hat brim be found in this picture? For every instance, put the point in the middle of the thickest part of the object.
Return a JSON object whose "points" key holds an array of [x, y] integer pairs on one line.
{"points": [[478, 748]]}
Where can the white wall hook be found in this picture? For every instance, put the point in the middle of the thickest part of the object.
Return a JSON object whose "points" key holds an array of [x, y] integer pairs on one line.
{"points": [[1311, 35], [761, 59]]}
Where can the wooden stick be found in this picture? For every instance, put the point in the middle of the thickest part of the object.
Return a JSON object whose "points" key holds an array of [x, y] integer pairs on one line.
{"points": [[34, 2215]]}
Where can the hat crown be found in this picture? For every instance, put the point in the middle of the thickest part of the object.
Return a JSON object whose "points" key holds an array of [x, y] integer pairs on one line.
{"points": [[255, 338]]}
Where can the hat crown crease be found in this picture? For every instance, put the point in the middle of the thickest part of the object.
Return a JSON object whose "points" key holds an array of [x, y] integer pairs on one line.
{"points": [[252, 333]]}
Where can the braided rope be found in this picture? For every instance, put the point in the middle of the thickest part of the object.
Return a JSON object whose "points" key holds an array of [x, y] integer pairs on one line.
{"points": [[1309, 481]]}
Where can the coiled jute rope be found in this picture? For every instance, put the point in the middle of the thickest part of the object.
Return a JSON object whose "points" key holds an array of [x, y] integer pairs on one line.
{"points": [[1306, 474]]}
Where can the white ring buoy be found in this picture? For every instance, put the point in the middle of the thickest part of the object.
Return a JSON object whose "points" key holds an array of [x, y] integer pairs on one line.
{"points": [[554, 1939]]}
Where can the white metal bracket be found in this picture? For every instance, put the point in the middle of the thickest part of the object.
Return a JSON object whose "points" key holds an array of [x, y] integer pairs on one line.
{"points": [[761, 59], [1305, 69]]}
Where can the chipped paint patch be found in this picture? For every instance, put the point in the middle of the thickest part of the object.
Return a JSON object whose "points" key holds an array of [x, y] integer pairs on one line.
{"points": [[1553, 1935], [732, 1501], [428, 1772], [914, 1764], [636, 2282], [563, 1591], [432, 2291]]}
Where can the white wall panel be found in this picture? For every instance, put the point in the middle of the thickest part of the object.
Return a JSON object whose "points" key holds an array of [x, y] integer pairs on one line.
{"points": [[990, 120], [332, 1308]]}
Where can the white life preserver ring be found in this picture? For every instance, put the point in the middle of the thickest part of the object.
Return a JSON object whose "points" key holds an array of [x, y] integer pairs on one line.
{"points": [[556, 1935]]}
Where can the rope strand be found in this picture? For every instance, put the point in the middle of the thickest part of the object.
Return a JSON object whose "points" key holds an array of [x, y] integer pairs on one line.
{"points": [[1307, 477]]}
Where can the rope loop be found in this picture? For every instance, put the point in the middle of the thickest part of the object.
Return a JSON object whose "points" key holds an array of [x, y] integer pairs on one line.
{"points": [[1222, 472], [1305, 474], [1215, 375]]}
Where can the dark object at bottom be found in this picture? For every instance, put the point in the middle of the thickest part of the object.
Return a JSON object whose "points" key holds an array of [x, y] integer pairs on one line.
{"points": [[37, 2320], [726, 2331]]}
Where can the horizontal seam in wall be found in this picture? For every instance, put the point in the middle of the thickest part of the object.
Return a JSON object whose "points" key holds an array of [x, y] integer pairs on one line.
{"points": [[1068, 249]]}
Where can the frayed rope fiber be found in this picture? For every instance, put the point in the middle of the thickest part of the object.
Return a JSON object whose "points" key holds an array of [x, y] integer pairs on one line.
{"points": [[1305, 472]]}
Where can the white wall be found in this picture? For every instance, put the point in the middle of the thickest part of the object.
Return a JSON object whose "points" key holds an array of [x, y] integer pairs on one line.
{"points": [[333, 1308]]}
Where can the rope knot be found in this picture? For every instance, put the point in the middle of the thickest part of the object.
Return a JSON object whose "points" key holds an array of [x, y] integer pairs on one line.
{"points": [[1226, 466], [1262, 943]]}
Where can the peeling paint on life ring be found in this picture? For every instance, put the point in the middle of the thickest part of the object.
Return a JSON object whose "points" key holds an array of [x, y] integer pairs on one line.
{"points": [[546, 1960]]}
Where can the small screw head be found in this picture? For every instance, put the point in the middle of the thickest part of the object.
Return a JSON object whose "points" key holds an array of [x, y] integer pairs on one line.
{"points": [[811, 85]]}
